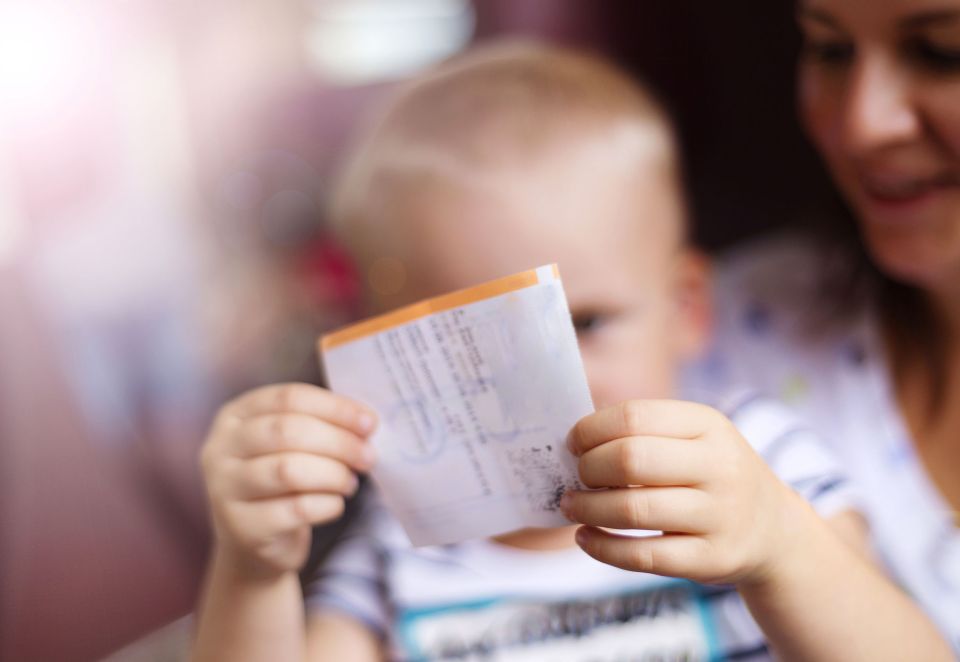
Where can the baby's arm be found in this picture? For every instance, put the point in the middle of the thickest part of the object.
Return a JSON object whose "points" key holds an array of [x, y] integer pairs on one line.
{"points": [[278, 460], [683, 468], [831, 603]]}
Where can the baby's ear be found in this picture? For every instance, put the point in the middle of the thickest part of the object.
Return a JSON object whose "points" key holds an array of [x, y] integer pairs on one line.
{"points": [[692, 288]]}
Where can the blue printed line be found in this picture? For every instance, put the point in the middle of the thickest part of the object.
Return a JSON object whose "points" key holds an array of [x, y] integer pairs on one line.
{"points": [[747, 653], [408, 619], [710, 629]]}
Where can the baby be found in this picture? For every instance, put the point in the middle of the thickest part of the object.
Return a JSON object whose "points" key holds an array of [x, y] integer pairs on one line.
{"points": [[503, 159]]}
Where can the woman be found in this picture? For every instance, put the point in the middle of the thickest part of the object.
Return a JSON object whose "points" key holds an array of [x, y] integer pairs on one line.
{"points": [[868, 346]]}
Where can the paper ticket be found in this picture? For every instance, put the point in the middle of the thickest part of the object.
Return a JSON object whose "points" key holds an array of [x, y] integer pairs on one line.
{"points": [[476, 391]]}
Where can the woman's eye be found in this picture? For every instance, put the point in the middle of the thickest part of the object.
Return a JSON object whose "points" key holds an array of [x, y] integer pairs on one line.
{"points": [[932, 56], [828, 52]]}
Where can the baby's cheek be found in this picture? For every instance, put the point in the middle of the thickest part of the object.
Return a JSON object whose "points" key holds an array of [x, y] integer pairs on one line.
{"points": [[629, 375]]}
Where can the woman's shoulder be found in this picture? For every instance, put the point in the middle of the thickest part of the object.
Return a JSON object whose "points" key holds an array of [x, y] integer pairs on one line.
{"points": [[773, 326], [782, 273], [776, 290]]}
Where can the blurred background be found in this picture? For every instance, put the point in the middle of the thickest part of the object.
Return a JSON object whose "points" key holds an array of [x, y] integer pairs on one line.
{"points": [[163, 172]]}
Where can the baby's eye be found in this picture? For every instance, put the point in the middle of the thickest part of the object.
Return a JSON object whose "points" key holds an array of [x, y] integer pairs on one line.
{"points": [[587, 323]]}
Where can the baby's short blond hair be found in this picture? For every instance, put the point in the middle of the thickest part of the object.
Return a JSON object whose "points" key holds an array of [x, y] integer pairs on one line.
{"points": [[501, 106]]}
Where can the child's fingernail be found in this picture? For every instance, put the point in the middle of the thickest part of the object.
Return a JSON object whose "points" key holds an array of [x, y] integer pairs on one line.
{"points": [[569, 443], [366, 422], [369, 455], [565, 504]]}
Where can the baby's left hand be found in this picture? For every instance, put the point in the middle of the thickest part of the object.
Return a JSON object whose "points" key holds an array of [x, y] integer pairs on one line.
{"points": [[684, 469]]}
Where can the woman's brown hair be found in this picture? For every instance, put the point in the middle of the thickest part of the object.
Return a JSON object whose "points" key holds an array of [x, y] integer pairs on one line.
{"points": [[851, 281]]}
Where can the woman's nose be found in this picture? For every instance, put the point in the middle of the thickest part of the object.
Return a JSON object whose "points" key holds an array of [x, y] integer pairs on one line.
{"points": [[880, 110]]}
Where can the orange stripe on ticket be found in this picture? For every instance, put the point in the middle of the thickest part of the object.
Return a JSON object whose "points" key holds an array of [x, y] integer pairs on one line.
{"points": [[438, 304]]}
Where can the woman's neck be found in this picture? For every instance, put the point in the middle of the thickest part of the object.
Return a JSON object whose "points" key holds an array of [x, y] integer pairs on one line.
{"points": [[928, 392], [922, 334]]}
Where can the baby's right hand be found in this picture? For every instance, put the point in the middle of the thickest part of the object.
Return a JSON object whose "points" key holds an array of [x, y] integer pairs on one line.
{"points": [[278, 460]]}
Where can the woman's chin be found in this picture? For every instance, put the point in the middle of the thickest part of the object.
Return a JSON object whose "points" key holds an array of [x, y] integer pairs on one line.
{"points": [[913, 239], [916, 258]]}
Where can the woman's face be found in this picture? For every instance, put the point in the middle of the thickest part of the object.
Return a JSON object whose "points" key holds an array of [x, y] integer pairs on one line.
{"points": [[880, 96]]}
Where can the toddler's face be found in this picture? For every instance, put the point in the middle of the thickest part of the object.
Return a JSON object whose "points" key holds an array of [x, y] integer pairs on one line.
{"points": [[637, 295]]}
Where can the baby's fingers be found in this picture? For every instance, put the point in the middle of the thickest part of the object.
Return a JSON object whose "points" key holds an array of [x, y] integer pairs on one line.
{"points": [[660, 418], [675, 509], [259, 522], [669, 555], [304, 399], [291, 473], [305, 434], [645, 461]]}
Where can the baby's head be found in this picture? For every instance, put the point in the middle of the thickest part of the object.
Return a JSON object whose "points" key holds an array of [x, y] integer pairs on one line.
{"points": [[518, 155]]}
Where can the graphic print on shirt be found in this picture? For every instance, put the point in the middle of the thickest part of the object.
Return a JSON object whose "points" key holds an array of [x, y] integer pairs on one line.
{"points": [[668, 622]]}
